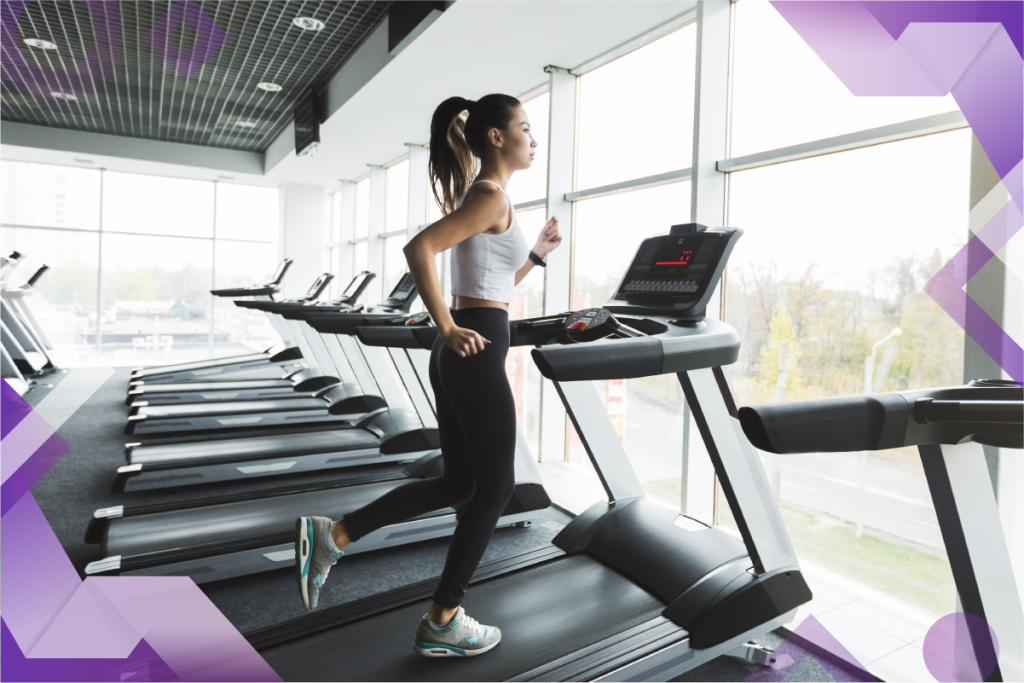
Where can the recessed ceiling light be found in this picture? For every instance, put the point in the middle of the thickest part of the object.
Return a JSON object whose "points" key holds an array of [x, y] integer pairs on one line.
{"points": [[84, 161], [40, 43], [245, 124], [269, 87], [308, 23], [63, 95], [225, 177]]}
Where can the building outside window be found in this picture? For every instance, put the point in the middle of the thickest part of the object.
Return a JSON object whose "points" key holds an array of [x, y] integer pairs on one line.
{"points": [[132, 278]]}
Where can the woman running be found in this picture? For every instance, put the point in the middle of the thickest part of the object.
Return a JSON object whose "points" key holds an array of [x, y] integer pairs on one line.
{"points": [[475, 409]]}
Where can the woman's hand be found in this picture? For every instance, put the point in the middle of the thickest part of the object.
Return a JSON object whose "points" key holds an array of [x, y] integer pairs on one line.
{"points": [[548, 239], [463, 341]]}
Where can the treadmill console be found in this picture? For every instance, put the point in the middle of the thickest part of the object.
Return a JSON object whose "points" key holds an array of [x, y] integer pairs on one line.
{"points": [[402, 296], [355, 288], [278, 275], [314, 292], [677, 272]]}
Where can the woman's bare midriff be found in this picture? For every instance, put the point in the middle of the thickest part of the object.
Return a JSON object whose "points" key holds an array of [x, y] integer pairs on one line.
{"points": [[462, 302]]}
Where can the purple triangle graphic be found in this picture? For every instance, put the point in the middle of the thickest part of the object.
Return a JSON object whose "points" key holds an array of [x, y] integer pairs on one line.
{"points": [[143, 664], [812, 639]]}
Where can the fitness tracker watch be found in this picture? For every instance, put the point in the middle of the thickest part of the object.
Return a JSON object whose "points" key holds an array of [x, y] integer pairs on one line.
{"points": [[538, 260]]}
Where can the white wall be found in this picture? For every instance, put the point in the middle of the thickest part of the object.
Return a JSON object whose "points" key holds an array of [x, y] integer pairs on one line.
{"points": [[300, 234]]}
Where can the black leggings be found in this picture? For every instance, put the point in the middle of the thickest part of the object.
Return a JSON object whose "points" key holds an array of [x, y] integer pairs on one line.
{"points": [[476, 421]]}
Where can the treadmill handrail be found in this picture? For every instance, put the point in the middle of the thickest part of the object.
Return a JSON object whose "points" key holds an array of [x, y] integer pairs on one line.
{"points": [[258, 290], [673, 349], [877, 421], [341, 322], [399, 336]]}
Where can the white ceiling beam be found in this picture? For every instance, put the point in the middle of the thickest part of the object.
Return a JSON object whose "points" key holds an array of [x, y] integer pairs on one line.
{"points": [[29, 137]]}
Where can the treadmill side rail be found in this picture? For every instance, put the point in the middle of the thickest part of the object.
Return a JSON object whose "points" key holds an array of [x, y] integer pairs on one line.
{"points": [[744, 603], [639, 540]]}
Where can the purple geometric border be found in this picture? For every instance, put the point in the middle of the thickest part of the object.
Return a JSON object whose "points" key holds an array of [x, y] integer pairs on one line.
{"points": [[57, 627], [972, 49]]}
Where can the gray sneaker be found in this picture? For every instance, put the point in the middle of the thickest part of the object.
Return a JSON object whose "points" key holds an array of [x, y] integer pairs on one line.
{"points": [[313, 557], [461, 637]]}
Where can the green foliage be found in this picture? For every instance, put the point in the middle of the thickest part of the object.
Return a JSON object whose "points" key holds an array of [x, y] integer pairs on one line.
{"points": [[833, 328], [781, 329], [191, 307]]}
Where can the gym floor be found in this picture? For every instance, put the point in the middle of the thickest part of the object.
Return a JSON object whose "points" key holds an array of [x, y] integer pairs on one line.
{"points": [[81, 482]]}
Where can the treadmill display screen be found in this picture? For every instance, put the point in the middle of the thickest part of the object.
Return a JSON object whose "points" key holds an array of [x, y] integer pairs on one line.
{"points": [[403, 287], [674, 265], [317, 286], [277, 273], [354, 285], [673, 258]]}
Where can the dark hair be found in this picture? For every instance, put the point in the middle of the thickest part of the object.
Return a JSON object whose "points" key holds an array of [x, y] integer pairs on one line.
{"points": [[454, 142]]}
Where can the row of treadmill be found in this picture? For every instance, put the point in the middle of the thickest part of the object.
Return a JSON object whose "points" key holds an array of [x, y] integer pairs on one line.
{"points": [[628, 590], [25, 352]]}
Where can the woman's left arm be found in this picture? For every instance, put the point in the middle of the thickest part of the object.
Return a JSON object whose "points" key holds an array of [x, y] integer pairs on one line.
{"points": [[547, 241]]}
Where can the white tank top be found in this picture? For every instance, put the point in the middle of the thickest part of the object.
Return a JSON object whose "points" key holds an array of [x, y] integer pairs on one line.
{"points": [[484, 266]]}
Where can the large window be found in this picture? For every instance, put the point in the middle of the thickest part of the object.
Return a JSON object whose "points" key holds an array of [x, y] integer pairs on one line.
{"points": [[636, 113], [158, 206], [397, 225], [826, 280], [647, 413], [332, 246], [51, 196], [784, 94], [362, 209], [134, 275]]}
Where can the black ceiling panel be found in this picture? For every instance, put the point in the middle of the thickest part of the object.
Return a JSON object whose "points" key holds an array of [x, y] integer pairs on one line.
{"points": [[153, 69]]}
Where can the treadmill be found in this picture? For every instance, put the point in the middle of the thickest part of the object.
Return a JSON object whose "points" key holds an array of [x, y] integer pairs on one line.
{"points": [[628, 590], [339, 403], [27, 347], [298, 383], [950, 427], [17, 299], [234, 535], [11, 374], [400, 432], [11, 371], [272, 360]]}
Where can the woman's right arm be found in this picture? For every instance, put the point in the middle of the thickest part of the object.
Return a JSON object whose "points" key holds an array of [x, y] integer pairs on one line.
{"points": [[483, 209]]}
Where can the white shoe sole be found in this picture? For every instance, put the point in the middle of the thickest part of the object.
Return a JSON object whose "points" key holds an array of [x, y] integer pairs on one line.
{"points": [[303, 547], [439, 651]]}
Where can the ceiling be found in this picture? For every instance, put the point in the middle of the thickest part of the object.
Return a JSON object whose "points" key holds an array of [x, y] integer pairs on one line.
{"points": [[380, 100], [457, 55], [174, 71]]}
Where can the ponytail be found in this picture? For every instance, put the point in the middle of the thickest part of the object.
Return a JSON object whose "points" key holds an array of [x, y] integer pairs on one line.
{"points": [[455, 141]]}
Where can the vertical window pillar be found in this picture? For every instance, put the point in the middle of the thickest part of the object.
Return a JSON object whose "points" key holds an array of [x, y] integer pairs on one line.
{"points": [[707, 206], [375, 247], [558, 274], [998, 292], [347, 202], [419, 155]]}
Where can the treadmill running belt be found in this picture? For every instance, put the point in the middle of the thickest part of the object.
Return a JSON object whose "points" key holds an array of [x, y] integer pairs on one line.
{"points": [[254, 448], [272, 517], [545, 612]]}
